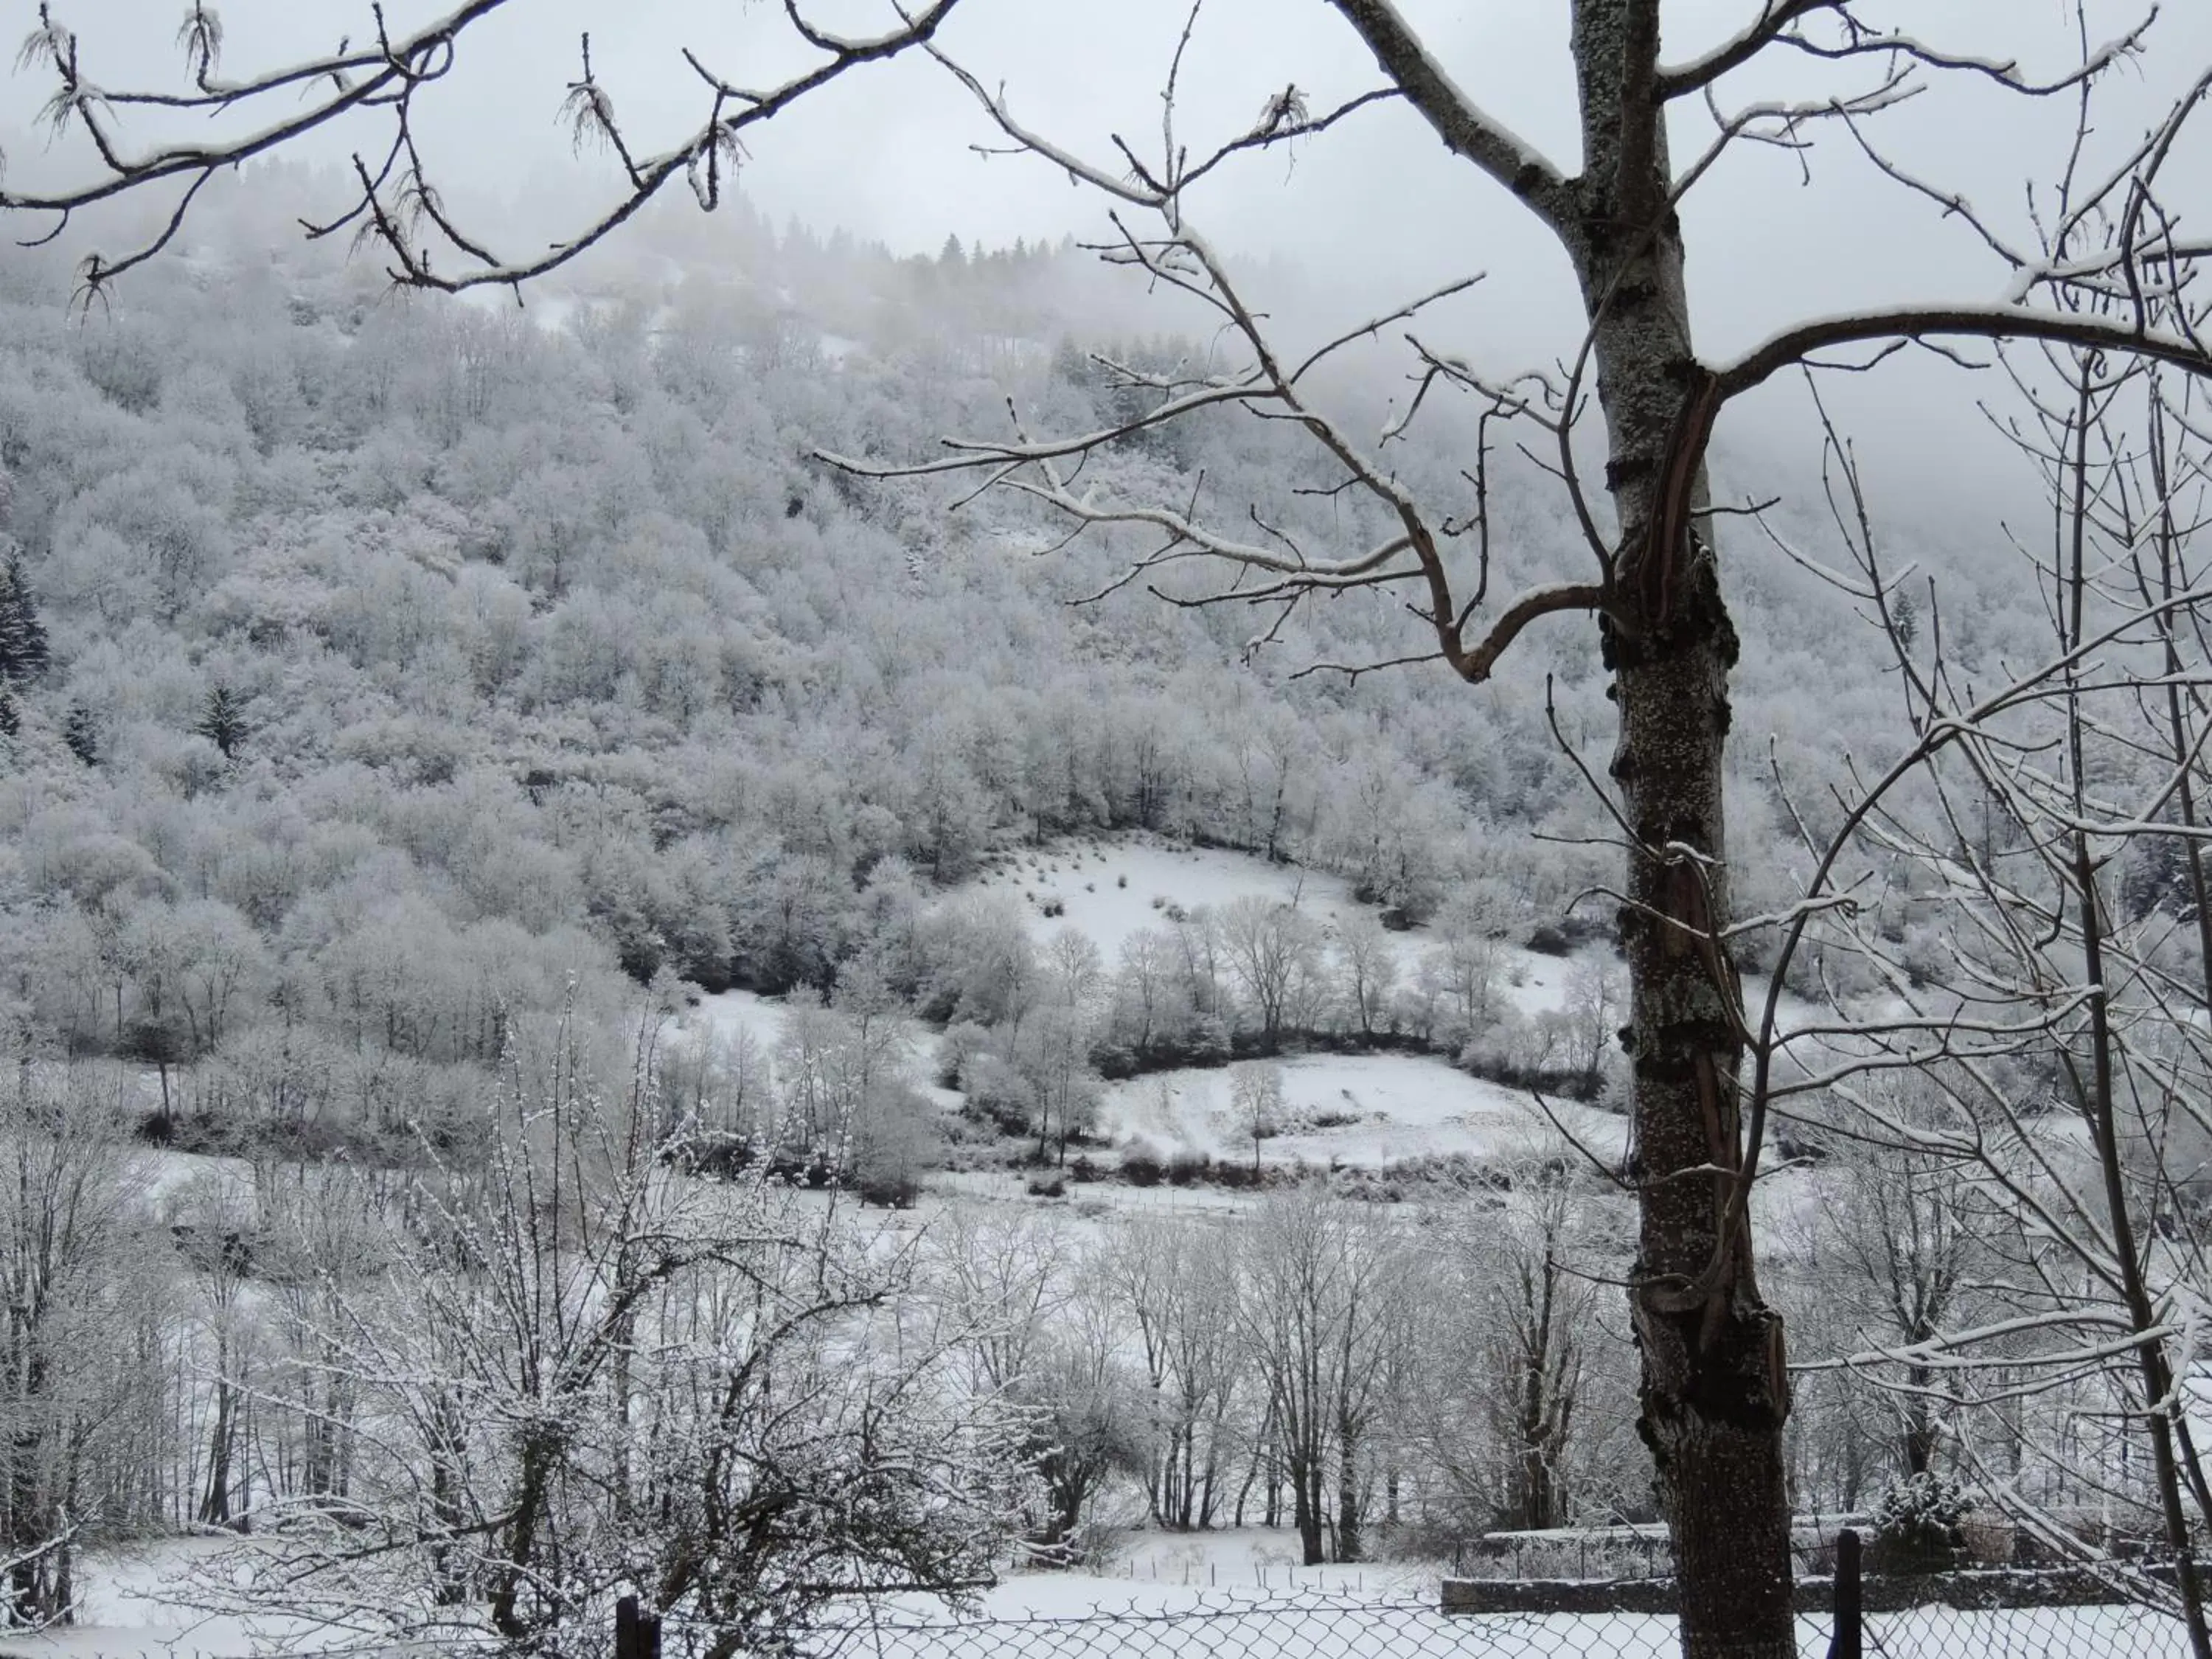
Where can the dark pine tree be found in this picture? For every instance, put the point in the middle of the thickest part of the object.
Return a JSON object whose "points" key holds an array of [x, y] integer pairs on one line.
{"points": [[11, 721], [81, 733], [23, 650], [223, 722]]}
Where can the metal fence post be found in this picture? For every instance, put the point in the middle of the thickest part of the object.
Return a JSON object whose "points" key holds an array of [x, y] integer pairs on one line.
{"points": [[1845, 1644], [626, 1643]]}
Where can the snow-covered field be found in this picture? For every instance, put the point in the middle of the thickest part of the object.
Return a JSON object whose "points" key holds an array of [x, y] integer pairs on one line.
{"points": [[1359, 1111], [131, 1610], [1112, 889], [1340, 1110], [161, 1179], [726, 1014], [1109, 890]]}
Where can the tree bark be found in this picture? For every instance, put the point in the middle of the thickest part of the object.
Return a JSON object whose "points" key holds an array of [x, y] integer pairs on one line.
{"points": [[215, 1500], [1714, 1395], [1306, 1511], [1350, 1545]]}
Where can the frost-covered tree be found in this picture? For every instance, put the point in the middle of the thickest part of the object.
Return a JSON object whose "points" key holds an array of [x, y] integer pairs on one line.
{"points": [[1367, 967], [577, 1372], [1521, 1410], [1255, 1103], [1176, 1284], [1326, 1292], [74, 1263], [1274, 952]]}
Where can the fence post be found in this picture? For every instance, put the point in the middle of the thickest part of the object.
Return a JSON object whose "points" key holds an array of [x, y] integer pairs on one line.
{"points": [[626, 1643], [1844, 1642]]}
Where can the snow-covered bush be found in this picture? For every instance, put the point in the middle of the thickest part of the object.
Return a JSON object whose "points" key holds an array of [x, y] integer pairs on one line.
{"points": [[1917, 1524]]}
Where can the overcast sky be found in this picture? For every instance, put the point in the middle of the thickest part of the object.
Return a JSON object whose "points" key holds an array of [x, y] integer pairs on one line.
{"points": [[1376, 206]]}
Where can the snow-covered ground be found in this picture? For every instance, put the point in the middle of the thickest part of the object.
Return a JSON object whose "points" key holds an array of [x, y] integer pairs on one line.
{"points": [[1351, 1109], [1112, 889], [131, 1610], [162, 1179], [1109, 890], [721, 1018]]}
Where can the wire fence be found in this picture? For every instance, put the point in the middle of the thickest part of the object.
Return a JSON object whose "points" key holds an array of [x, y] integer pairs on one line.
{"points": [[2082, 1632], [1244, 1626], [1247, 1625]]}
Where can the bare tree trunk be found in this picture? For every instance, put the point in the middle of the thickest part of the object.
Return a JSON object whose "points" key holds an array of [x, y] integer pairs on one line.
{"points": [[215, 1500], [1920, 1430], [1310, 1509], [2098, 1097], [1715, 1394], [1350, 1545]]}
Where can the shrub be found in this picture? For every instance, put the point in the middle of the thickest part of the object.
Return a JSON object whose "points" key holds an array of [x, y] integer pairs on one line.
{"points": [[998, 1093], [1185, 1167], [1918, 1525], [1141, 1167], [1048, 1185], [1208, 1044], [1113, 1059], [891, 1192], [1550, 941], [960, 1044]]}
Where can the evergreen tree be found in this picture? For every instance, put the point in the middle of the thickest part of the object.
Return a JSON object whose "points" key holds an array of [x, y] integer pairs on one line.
{"points": [[223, 722], [81, 733], [23, 651], [11, 720]]}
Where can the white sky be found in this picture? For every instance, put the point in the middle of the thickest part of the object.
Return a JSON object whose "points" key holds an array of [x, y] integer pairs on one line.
{"points": [[1376, 206]]}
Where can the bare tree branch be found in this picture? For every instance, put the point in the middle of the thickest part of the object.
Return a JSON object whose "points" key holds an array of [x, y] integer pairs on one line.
{"points": [[388, 76], [1465, 128]]}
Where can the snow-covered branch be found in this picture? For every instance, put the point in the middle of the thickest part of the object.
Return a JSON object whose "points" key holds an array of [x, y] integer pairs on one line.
{"points": [[399, 203]]}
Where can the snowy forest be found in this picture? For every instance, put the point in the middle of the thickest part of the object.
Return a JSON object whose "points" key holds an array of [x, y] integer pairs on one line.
{"points": [[620, 984]]}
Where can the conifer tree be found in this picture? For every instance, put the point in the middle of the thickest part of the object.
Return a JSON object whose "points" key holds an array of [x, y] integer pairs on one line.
{"points": [[223, 722], [23, 649], [81, 733]]}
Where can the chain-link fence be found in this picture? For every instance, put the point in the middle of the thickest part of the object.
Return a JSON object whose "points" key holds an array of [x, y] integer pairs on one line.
{"points": [[1249, 1626], [2082, 1632], [1252, 1626]]}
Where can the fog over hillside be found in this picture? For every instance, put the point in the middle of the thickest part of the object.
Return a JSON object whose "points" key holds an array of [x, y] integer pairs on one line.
{"points": [[545, 648]]}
